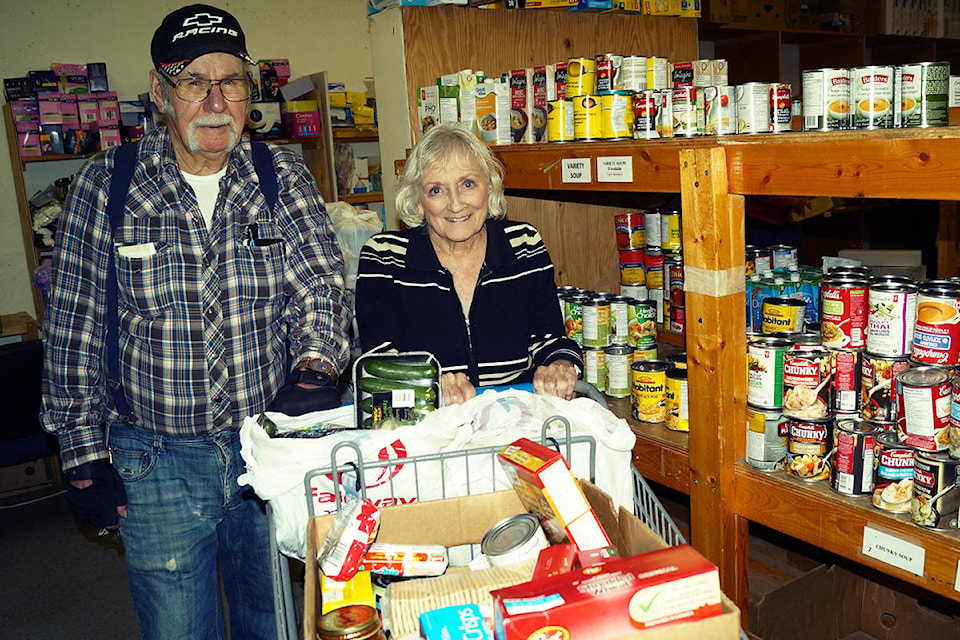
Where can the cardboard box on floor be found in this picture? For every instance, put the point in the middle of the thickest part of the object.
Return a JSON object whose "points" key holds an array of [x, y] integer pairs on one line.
{"points": [[465, 520], [831, 602]]}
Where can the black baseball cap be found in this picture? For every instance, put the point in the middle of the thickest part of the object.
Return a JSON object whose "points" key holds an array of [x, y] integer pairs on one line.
{"points": [[193, 31]]}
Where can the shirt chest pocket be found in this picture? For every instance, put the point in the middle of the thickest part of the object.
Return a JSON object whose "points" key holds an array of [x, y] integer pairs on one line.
{"points": [[146, 283], [260, 272]]}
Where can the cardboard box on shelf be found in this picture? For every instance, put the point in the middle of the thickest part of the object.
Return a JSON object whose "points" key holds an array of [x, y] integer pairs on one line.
{"points": [[465, 520], [29, 476], [831, 602], [769, 14]]}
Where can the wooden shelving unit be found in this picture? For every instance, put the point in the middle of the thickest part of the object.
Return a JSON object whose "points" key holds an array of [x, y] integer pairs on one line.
{"points": [[713, 175]]}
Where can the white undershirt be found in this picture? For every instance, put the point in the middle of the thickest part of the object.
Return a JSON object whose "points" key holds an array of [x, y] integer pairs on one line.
{"points": [[207, 190]]}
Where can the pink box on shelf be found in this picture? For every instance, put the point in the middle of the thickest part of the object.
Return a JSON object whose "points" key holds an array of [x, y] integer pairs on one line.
{"points": [[301, 124], [109, 137], [49, 106], [108, 109], [69, 114], [26, 115], [28, 142], [88, 108]]}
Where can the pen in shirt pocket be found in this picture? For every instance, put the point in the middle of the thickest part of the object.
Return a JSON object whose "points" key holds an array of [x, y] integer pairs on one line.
{"points": [[252, 238]]}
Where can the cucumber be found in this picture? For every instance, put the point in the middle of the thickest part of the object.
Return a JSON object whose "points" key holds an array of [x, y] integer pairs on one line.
{"points": [[379, 385], [398, 370]]}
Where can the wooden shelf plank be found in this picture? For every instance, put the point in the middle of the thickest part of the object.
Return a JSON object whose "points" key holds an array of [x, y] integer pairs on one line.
{"points": [[360, 198], [660, 455], [814, 513], [354, 134]]}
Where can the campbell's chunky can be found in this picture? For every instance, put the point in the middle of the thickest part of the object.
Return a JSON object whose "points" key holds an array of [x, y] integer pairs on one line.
{"points": [[878, 393], [924, 396], [846, 378], [843, 311], [852, 469], [767, 438], [893, 473], [765, 358], [806, 378], [936, 332], [809, 445], [892, 312], [826, 99], [873, 94], [936, 498]]}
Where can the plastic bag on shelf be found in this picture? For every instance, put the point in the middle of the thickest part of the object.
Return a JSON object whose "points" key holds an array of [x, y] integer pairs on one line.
{"points": [[353, 227]]}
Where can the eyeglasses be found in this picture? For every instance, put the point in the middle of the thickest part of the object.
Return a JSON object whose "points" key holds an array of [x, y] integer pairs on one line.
{"points": [[197, 89]]}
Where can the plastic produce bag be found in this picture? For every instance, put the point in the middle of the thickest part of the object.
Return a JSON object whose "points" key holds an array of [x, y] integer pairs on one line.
{"points": [[353, 227]]}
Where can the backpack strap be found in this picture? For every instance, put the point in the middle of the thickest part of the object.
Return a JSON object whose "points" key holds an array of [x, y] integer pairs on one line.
{"points": [[124, 163], [266, 174]]}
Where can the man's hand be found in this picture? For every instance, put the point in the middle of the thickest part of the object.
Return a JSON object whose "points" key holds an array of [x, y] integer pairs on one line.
{"points": [[556, 379], [456, 388], [306, 390], [96, 495]]}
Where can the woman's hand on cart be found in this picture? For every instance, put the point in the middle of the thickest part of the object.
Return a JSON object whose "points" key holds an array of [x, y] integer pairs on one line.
{"points": [[456, 388]]}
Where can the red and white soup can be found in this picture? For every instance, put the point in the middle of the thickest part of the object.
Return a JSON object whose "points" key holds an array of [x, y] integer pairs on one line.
{"points": [[843, 312], [924, 396], [936, 332]]}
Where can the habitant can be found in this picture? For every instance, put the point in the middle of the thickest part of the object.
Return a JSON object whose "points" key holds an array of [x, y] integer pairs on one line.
{"points": [[808, 448], [676, 406], [678, 359], [649, 390], [767, 437], [515, 539], [923, 407], [924, 91], [852, 470], [826, 99], [617, 359], [872, 92], [936, 498], [893, 472], [936, 332], [892, 313], [765, 357], [782, 314]]}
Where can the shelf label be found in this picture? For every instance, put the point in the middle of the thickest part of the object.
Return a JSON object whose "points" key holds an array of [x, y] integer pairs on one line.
{"points": [[615, 169], [894, 551], [576, 170]]}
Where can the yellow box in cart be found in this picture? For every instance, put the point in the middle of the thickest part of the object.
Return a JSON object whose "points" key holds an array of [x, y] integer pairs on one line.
{"points": [[465, 520]]}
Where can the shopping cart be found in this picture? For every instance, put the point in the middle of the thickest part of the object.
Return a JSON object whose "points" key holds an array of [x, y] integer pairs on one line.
{"points": [[474, 468]]}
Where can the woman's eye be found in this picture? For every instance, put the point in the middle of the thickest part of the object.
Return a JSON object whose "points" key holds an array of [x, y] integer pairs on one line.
{"points": [[434, 191], [469, 184]]}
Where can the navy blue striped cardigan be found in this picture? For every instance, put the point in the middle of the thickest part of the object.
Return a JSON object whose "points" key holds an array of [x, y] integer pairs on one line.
{"points": [[406, 301]]}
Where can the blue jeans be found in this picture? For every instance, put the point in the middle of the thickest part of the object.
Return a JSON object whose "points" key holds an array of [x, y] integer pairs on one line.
{"points": [[186, 512]]}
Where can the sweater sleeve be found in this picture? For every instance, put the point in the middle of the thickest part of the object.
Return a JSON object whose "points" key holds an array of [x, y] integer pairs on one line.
{"points": [[376, 295]]}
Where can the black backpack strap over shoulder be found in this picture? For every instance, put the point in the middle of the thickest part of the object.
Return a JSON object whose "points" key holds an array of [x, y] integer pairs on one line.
{"points": [[266, 174]]}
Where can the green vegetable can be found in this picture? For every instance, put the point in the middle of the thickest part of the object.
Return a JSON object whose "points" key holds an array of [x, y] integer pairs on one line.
{"points": [[892, 312]]}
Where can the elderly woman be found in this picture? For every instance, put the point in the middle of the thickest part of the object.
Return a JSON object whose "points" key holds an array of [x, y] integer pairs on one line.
{"points": [[461, 282]]}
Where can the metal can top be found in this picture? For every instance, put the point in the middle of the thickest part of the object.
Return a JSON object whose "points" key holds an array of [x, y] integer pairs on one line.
{"points": [[509, 534], [939, 288], [617, 349], [857, 425], [845, 280], [893, 286], [885, 278], [675, 373], [347, 623], [766, 342], [652, 365], [923, 376]]}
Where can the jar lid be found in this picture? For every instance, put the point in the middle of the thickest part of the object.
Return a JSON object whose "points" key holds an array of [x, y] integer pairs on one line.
{"points": [[352, 622]]}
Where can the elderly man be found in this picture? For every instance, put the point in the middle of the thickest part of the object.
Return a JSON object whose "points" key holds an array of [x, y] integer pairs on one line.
{"points": [[218, 286]]}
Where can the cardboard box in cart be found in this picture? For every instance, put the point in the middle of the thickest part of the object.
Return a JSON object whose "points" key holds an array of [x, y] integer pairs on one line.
{"points": [[457, 521]]}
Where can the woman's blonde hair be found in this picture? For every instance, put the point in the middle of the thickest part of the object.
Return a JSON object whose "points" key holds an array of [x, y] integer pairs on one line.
{"points": [[437, 147]]}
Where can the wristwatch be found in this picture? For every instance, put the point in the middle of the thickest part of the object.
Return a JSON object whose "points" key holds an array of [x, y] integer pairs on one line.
{"points": [[325, 372]]}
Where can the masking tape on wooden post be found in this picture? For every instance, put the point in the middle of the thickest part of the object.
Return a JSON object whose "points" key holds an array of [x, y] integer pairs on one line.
{"points": [[713, 282]]}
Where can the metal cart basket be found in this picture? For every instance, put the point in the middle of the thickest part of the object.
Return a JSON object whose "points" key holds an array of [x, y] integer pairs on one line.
{"points": [[476, 467]]}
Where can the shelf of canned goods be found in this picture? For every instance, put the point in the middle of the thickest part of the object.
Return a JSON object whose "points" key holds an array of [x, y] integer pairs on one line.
{"points": [[713, 174]]}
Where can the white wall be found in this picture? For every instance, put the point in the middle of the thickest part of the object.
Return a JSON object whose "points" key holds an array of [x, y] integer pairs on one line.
{"points": [[315, 35]]}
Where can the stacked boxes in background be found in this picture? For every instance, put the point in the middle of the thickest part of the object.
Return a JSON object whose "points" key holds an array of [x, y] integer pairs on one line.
{"points": [[68, 109]]}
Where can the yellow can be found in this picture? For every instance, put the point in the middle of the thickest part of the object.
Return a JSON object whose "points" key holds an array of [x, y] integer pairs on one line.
{"points": [[587, 121], [677, 407], [648, 390], [560, 121], [616, 111], [581, 77]]}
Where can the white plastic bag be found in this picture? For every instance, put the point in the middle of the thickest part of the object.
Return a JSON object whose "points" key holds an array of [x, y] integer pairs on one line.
{"points": [[276, 466], [353, 227]]}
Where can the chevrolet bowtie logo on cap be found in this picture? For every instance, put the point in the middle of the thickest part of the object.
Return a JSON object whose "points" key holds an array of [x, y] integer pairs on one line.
{"points": [[194, 31]]}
